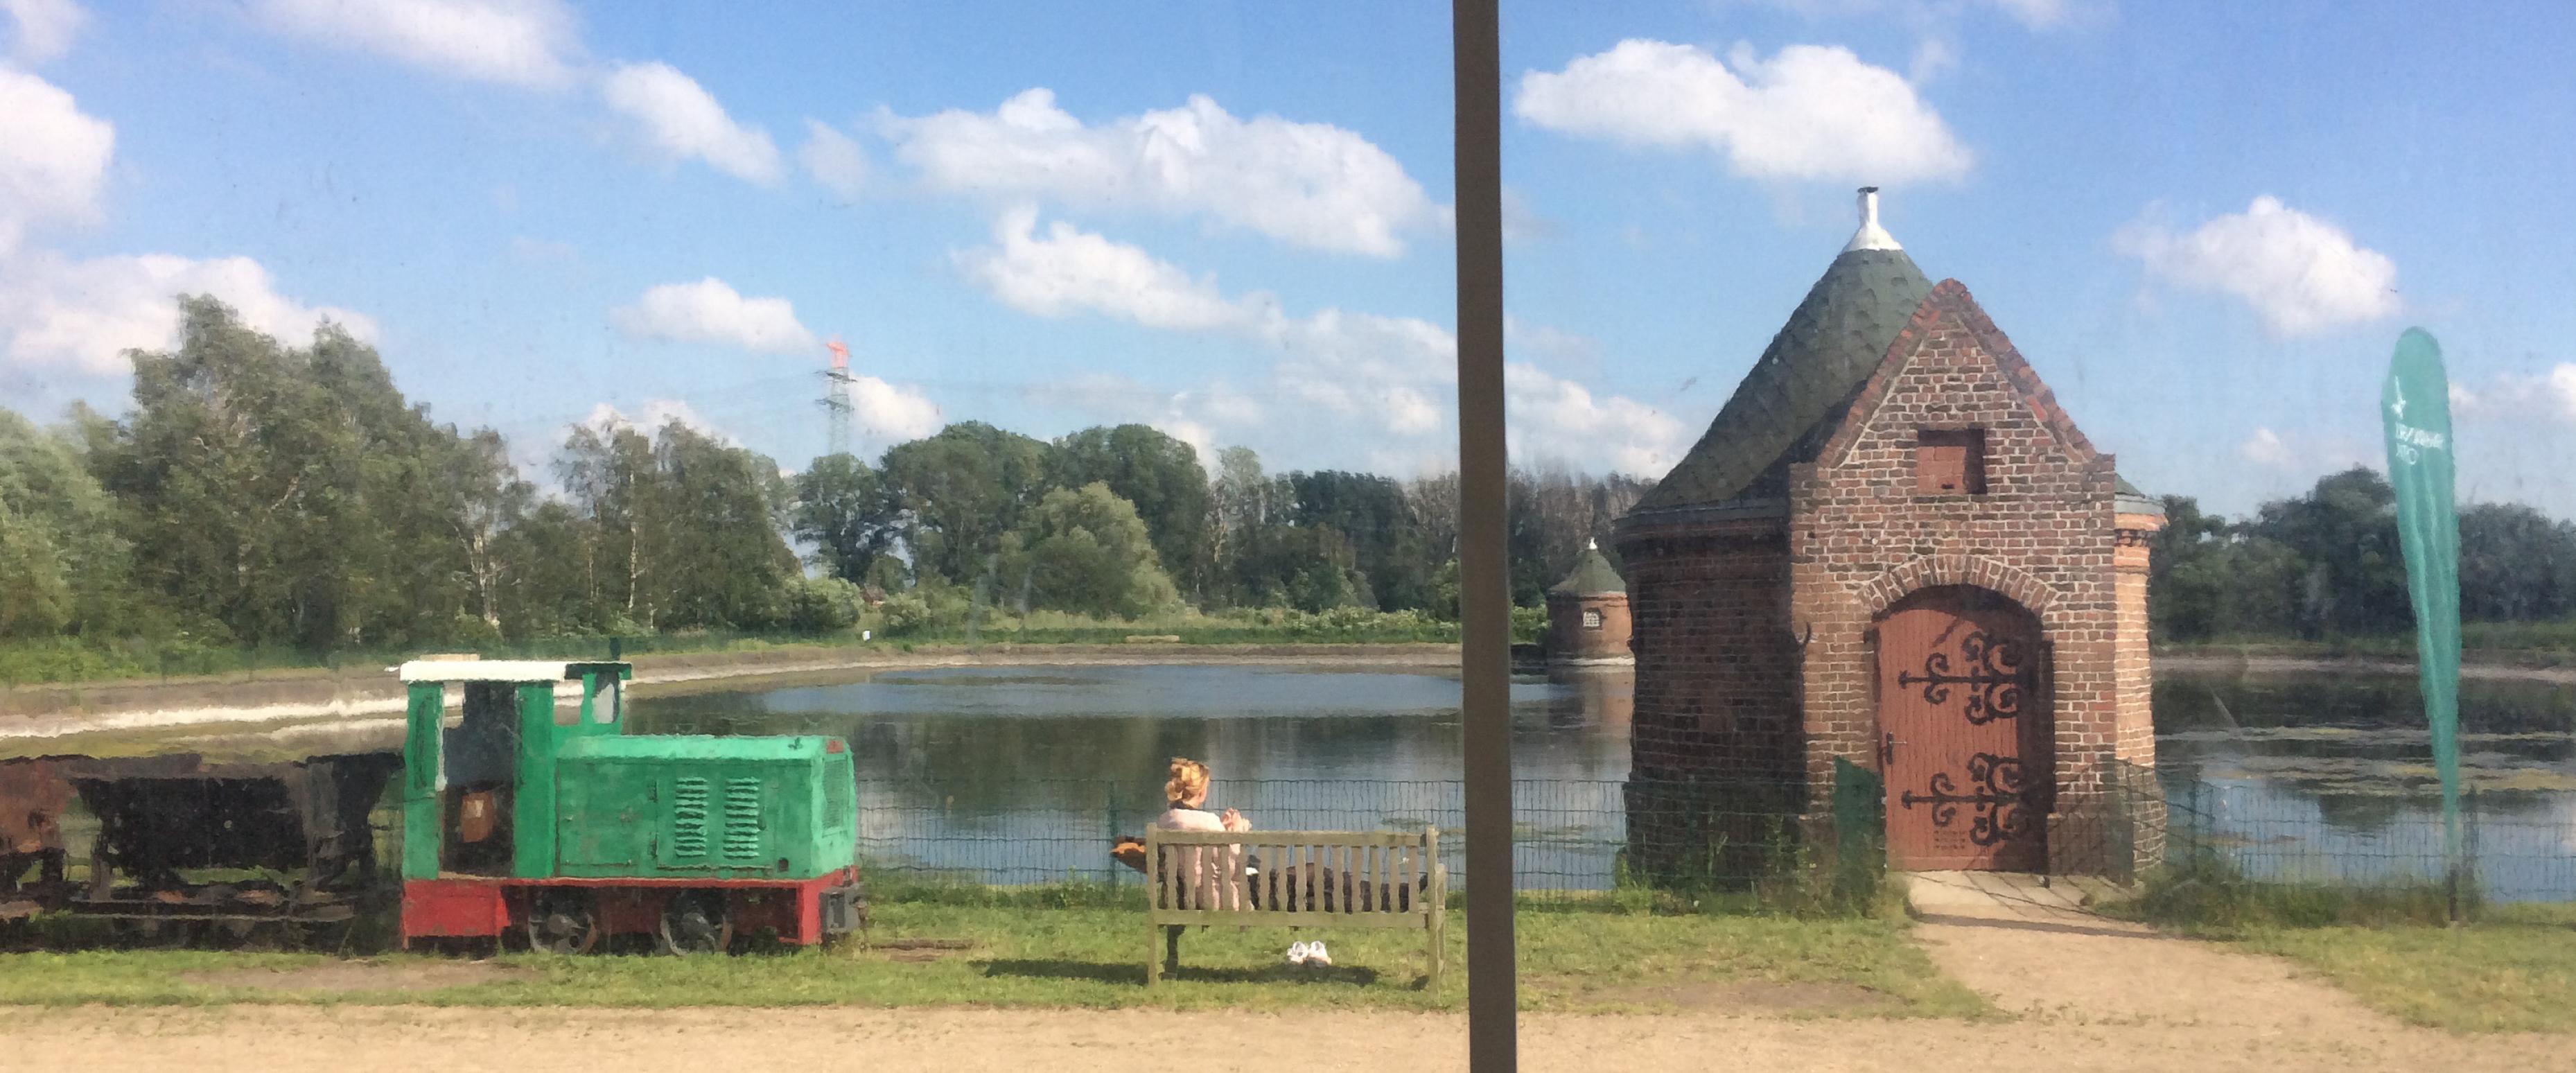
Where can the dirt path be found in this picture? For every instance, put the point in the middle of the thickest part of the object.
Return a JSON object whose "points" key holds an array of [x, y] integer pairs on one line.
{"points": [[264, 1038], [2180, 1004]]}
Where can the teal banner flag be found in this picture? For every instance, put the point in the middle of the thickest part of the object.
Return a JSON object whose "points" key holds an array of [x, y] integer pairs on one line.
{"points": [[2416, 404]]}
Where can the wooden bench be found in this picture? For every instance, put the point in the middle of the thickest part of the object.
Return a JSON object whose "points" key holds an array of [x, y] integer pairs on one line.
{"points": [[1294, 879]]}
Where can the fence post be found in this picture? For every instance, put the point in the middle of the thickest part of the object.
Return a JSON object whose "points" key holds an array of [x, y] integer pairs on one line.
{"points": [[1115, 880]]}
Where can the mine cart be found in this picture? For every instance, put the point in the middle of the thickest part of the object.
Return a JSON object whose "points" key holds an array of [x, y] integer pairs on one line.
{"points": [[185, 841]]}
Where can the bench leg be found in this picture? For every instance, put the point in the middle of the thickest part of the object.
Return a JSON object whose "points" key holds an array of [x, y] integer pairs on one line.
{"points": [[1154, 958], [1439, 940]]}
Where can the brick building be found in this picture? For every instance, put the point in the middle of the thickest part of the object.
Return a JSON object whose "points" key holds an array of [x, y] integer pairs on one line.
{"points": [[1587, 615], [1892, 547]]}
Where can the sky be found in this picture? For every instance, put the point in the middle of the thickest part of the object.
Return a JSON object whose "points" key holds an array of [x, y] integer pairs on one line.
{"points": [[2204, 224]]}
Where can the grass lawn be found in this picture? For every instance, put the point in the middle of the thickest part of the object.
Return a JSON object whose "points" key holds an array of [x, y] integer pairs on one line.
{"points": [[2514, 971], [1086, 957]]}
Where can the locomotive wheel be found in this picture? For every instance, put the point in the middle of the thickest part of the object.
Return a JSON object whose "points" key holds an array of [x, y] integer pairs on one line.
{"points": [[695, 923], [563, 923]]}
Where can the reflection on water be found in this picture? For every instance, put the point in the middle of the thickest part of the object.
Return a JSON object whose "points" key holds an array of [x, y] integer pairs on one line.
{"points": [[1024, 774], [2316, 776]]}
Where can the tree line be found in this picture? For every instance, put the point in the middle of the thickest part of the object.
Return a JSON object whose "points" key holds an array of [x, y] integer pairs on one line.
{"points": [[263, 494], [2327, 564], [257, 493]]}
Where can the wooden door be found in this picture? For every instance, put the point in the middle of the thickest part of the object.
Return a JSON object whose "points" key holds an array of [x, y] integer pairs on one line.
{"points": [[1964, 735]]}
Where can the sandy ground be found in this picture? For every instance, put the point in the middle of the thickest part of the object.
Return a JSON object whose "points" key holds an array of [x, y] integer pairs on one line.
{"points": [[2194, 1036], [2077, 993], [2092, 993]]}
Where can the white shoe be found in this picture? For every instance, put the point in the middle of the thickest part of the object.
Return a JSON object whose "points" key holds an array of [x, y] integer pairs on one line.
{"points": [[1315, 954], [1298, 953]]}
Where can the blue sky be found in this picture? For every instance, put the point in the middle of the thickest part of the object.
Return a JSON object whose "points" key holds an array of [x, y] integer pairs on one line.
{"points": [[2204, 224]]}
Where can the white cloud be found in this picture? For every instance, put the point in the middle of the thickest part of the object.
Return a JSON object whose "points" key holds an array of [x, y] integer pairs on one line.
{"points": [[1350, 377], [1555, 419], [531, 43], [677, 119], [2302, 275], [889, 414], [2293, 459], [648, 418], [53, 157], [1808, 113], [710, 311], [2265, 448], [1933, 58], [1069, 269], [1308, 184], [82, 316], [2562, 387], [42, 29], [834, 160]]}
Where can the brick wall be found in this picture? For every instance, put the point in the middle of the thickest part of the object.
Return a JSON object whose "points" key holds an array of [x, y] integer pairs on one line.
{"points": [[1570, 639], [2044, 533]]}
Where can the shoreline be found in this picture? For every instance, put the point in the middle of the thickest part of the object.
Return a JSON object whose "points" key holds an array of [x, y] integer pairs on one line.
{"points": [[354, 699], [317, 703]]}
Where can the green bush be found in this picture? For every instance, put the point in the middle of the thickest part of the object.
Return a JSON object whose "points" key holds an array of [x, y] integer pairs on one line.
{"points": [[905, 614], [819, 604]]}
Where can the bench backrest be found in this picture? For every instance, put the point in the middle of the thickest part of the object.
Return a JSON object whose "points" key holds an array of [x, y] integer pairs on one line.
{"points": [[1383, 878]]}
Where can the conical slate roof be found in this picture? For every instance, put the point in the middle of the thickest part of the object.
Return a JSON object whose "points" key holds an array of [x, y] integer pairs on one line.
{"points": [[1592, 576], [1788, 404]]}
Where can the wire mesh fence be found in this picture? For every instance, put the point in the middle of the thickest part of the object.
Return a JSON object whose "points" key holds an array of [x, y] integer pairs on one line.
{"points": [[1569, 836], [2513, 847]]}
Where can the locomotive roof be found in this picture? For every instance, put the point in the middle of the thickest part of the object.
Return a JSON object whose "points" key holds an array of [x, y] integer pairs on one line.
{"points": [[509, 670]]}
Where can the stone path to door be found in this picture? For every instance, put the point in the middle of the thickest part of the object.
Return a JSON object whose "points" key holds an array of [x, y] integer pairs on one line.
{"points": [[2029, 945]]}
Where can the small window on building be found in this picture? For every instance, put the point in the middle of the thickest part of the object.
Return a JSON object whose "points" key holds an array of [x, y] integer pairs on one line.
{"points": [[1591, 618], [1950, 462]]}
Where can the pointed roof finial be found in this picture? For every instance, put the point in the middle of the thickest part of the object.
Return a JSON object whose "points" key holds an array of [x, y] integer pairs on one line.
{"points": [[1870, 236]]}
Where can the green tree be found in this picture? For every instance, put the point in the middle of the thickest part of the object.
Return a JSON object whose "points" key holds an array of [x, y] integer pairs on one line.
{"points": [[64, 568], [1387, 543], [2345, 532], [960, 491], [547, 573], [2516, 564], [608, 470], [846, 511], [282, 493], [1087, 551], [1160, 475], [713, 529]]}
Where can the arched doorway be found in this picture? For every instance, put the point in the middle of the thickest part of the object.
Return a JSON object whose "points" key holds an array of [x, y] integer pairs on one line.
{"points": [[1964, 736]]}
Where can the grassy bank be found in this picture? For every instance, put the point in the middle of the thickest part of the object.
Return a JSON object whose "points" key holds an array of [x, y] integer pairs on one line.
{"points": [[2511, 644], [2504, 969], [1018, 952], [2511, 970]]}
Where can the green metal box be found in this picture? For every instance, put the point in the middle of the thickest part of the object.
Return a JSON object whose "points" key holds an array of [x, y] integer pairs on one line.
{"points": [[700, 807]]}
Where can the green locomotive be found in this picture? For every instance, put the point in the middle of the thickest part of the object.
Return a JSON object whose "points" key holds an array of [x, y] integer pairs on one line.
{"points": [[533, 817]]}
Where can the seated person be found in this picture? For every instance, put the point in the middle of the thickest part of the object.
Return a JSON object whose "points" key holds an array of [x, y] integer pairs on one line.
{"points": [[1210, 876]]}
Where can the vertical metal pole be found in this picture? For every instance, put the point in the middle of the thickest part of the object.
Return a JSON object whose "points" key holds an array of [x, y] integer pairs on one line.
{"points": [[1484, 594]]}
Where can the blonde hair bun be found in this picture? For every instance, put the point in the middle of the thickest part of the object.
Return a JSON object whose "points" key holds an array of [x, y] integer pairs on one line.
{"points": [[1189, 781]]}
